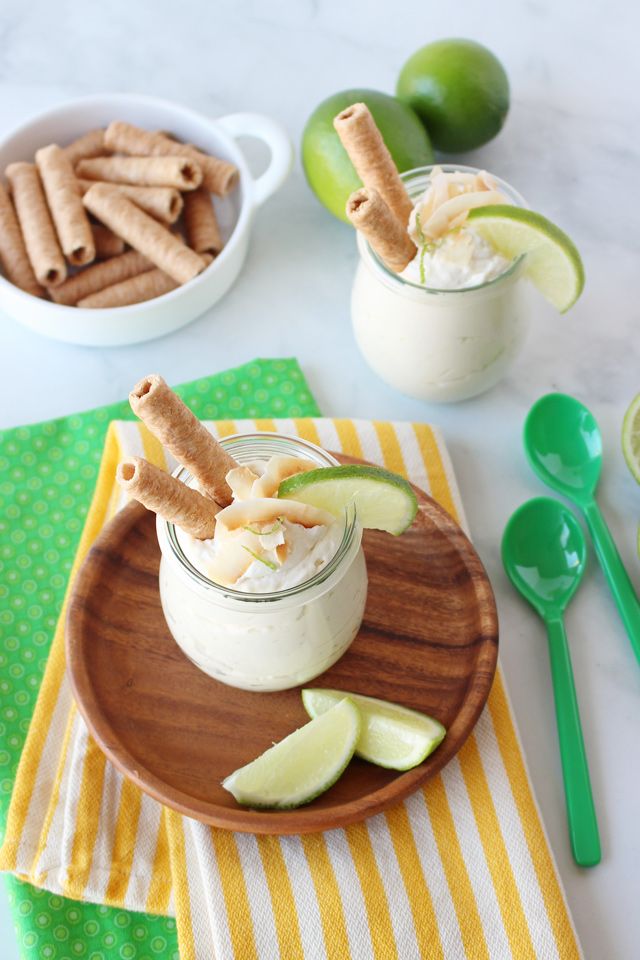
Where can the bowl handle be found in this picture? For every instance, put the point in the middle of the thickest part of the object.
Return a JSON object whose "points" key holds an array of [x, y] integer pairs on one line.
{"points": [[278, 141]]}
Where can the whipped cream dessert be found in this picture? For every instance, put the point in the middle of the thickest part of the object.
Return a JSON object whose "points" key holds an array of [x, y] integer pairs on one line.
{"points": [[452, 256], [262, 544], [285, 583], [448, 326], [459, 260]]}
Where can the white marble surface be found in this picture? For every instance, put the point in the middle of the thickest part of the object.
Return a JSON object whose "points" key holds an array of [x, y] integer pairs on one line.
{"points": [[571, 145]]}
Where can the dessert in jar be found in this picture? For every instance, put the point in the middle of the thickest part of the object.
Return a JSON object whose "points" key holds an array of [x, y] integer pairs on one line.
{"points": [[437, 312], [450, 324], [276, 598], [260, 593]]}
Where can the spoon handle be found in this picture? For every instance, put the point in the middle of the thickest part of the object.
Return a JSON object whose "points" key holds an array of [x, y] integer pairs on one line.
{"points": [[615, 572], [581, 814]]}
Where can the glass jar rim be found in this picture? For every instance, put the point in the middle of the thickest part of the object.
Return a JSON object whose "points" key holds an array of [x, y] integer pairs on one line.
{"points": [[351, 530], [412, 178]]}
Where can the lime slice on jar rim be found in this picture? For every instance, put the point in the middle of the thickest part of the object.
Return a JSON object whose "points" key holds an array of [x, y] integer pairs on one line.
{"points": [[553, 263], [383, 500]]}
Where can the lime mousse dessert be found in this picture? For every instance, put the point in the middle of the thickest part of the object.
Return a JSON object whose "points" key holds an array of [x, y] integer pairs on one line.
{"points": [[439, 305], [262, 580]]}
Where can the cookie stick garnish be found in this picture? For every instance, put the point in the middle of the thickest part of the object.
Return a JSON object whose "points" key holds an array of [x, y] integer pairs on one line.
{"points": [[65, 204], [165, 414], [39, 234], [219, 176], [200, 223], [144, 286], [163, 203], [374, 164], [182, 173], [90, 144], [107, 244], [13, 255], [143, 232], [369, 214], [100, 275], [173, 500]]}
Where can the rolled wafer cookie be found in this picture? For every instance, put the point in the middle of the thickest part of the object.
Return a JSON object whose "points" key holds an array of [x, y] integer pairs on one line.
{"points": [[100, 275], [163, 203], [219, 176], [201, 224], [173, 500], [369, 214], [183, 173], [34, 218], [90, 144], [184, 435], [369, 154], [65, 204], [106, 243], [144, 286], [13, 254], [143, 233]]}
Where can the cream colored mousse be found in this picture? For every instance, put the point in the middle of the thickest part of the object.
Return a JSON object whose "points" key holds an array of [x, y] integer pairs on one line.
{"points": [[262, 544], [451, 255], [261, 635], [449, 325]]}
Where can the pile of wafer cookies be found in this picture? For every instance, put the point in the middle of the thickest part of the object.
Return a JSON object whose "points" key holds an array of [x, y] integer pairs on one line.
{"points": [[117, 217]]}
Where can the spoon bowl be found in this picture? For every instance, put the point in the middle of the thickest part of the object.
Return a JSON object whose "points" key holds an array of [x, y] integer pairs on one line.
{"points": [[544, 553], [563, 443]]}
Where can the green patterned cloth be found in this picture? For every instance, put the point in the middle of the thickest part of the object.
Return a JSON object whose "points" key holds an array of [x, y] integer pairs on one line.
{"points": [[47, 475]]}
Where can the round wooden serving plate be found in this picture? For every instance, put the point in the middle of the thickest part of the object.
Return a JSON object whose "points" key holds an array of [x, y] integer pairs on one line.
{"points": [[429, 640]]}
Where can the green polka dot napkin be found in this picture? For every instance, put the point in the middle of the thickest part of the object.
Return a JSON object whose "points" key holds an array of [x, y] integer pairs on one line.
{"points": [[47, 476]]}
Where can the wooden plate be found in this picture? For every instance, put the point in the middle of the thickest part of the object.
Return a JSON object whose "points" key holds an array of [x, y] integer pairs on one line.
{"points": [[429, 641]]}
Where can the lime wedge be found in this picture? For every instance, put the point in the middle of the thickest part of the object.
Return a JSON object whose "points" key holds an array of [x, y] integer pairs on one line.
{"points": [[391, 736], [553, 262], [383, 500], [303, 765], [631, 437]]}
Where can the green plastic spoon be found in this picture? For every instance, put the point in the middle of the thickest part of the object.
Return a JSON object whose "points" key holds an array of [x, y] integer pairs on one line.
{"points": [[563, 443], [544, 553]]}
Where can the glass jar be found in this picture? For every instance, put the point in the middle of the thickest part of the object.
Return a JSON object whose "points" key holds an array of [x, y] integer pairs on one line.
{"points": [[438, 345], [265, 641]]}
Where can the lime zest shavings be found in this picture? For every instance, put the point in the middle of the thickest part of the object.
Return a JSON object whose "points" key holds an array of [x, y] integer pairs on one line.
{"points": [[423, 253], [265, 533], [256, 556]]}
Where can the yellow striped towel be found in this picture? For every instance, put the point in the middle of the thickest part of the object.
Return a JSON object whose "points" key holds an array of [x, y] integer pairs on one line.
{"points": [[460, 869]]}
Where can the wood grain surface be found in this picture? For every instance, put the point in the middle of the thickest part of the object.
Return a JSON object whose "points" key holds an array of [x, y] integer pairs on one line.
{"points": [[429, 640]]}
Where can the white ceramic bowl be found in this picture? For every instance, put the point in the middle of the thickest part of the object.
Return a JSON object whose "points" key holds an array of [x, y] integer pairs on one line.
{"points": [[154, 318]]}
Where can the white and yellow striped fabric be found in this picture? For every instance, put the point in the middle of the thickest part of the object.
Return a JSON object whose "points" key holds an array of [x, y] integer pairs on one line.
{"points": [[460, 869]]}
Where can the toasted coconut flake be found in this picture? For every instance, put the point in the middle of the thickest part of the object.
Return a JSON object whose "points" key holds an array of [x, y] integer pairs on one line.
{"points": [[484, 181], [446, 202], [278, 469], [439, 222], [233, 559], [242, 513], [241, 479]]}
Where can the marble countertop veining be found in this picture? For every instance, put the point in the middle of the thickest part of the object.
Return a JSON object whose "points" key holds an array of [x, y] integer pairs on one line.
{"points": [[571, 145]]}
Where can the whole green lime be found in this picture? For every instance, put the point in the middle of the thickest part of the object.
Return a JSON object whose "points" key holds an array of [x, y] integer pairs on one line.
{"points": [[327, 167], [460, 91]]}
